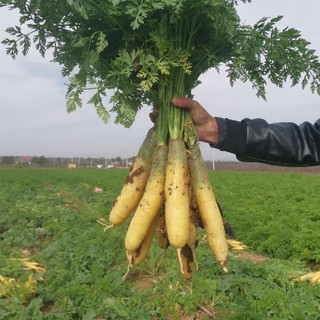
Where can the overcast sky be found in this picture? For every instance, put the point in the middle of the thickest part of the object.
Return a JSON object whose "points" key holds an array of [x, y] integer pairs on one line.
{"points": [[34, 120]]}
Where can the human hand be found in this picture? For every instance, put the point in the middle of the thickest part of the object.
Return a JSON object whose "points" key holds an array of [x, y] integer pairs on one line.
{"points": [[205, 125], [155, 113]]}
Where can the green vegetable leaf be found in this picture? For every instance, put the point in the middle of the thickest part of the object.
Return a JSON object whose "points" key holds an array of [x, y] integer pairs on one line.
{"points": [[79, 6], [263, 52], [102, 42], [141, 48], [73, 95], [12, 47], [102, 112]]}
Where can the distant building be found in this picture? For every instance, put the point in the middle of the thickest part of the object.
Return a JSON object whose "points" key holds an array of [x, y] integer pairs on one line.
{"points": [[26, 159]]}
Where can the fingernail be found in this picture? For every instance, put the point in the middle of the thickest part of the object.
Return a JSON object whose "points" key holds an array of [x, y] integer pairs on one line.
{"points": [[175, 101]]}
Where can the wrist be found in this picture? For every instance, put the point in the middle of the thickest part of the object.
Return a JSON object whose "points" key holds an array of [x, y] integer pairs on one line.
{"points": [[210, 132]]}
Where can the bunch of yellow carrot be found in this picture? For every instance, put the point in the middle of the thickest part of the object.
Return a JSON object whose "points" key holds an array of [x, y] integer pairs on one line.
{"points": [[167, 188]]}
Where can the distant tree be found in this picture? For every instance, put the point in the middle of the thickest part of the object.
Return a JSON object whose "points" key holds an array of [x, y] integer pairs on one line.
{"points": [[8, 160], [119, 160], [40, 160]]}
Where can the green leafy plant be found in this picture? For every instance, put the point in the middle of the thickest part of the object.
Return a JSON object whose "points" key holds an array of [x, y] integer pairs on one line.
{"points": [[134, 46], [84, 267]]}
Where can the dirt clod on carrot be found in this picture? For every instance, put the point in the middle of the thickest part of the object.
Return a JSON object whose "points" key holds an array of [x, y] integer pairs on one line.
{"points": [[135, 173]]}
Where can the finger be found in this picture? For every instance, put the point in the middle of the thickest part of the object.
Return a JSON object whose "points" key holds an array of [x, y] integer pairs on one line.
{"points": [[185, 103], [154, 115], [199, 115]]}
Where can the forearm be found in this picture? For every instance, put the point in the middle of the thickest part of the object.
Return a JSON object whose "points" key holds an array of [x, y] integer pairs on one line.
{"points": [[280, 143]]}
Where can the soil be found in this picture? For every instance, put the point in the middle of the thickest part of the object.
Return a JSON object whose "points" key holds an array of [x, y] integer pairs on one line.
{"points": [[204, 312], [259, 167], [140, 280], [27, 252], [133, 174], [145, 283], [254, 258]]}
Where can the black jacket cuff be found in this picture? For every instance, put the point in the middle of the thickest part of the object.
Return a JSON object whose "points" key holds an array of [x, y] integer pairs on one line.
{"points": [[232, 136]]}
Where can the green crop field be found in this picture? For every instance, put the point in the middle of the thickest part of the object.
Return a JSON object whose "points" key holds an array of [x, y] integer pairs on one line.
{"points": [[49, 217]]}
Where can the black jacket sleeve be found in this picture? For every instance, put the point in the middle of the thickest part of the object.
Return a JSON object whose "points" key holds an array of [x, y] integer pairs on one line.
{"points": [[282, 143]]}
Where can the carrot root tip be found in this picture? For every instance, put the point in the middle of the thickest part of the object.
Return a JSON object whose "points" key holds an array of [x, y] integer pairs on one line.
{"points": [[130, 258], [194, 258], [106, 226], [180, 260]]}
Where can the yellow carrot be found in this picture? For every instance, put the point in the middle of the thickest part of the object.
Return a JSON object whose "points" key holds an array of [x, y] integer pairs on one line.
{"points": [[151, 201], [135, 257], [176, 193], [208, 208], [186, 255], [193, 221], [186, 261], [134, 186], [162, 236], [192, 239]]}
